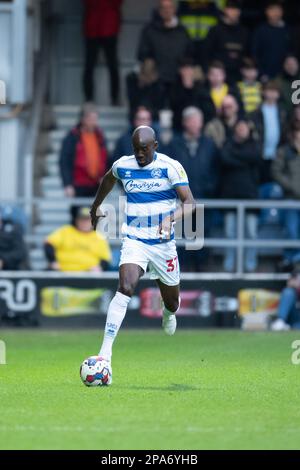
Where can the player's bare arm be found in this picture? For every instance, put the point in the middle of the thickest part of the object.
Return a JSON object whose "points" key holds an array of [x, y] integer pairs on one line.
{"points": [[104, 189], [188, 206]]}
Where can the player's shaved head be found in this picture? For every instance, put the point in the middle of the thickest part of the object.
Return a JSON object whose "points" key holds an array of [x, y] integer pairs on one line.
{"points": [[144, 144], [144, 133]]}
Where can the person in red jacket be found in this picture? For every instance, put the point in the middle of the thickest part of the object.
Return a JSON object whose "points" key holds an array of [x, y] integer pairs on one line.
{"points": [[83, 156], [102, 20]]}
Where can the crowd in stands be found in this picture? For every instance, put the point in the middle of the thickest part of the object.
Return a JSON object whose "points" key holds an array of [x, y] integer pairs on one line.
{"points": [[229, 89], [228, 84]]}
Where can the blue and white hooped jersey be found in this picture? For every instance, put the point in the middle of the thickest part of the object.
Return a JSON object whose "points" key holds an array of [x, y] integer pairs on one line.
{"points": [[150, 192]]}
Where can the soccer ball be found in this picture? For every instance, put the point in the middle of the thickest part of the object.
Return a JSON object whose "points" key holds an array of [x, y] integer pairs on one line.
{"points": [[95, 372]]}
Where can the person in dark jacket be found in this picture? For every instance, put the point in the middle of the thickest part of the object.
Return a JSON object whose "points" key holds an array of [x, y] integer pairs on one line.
{"points": [[145, 89], [228, 41], [269, 123], [198, 17], [158, 40], [188, 91], [291, 72], [102, 20], [239, 180], [83, 157], [200, 158], [286, 172], [13, 252], [271, 43], [142, 117]]}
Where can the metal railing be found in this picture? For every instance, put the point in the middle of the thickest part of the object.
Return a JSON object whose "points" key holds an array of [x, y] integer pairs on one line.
{"points": [[240, 243]]}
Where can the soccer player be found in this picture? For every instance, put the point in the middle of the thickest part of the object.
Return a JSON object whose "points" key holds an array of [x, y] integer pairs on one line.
{"points": [[151, 181]]}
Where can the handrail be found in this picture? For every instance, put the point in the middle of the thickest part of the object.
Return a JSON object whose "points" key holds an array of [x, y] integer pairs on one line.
{"points": [[240, 206], [33, 133]]}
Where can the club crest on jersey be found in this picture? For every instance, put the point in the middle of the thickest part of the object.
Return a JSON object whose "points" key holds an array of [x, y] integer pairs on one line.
{"points": [[156, 173]]}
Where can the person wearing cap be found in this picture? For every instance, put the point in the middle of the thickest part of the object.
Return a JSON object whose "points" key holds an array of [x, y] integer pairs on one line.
{"points": [[77, 247]]}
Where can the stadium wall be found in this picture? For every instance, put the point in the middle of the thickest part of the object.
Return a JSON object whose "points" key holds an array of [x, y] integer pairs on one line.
{"points": [[55, 300]]}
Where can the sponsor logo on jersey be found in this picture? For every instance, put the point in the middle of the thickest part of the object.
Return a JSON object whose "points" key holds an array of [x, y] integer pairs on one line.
{"points": [[133, 185]]}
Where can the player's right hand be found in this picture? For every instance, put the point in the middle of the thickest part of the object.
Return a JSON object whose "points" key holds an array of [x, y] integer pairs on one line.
{"points": [[96, 214]]}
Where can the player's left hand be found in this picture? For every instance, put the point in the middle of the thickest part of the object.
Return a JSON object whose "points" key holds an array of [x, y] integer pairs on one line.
{"points": [[95, 214], [165, 228]]}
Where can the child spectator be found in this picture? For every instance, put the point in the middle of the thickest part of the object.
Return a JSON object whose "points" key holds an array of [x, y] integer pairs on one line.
{"points": [[217, 86], [249, 87]]}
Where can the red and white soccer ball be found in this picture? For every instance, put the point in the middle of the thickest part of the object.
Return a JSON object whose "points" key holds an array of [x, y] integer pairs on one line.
{"points": [[95, 371]]}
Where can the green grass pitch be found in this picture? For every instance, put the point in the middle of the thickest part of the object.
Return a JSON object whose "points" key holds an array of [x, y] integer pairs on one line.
{"points": [[196, 390]]}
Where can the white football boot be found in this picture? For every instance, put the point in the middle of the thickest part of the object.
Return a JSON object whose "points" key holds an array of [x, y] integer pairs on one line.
{"points": [[169, 322], [280, 325]]}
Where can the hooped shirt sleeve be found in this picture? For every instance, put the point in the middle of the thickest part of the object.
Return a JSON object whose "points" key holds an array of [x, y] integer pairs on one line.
{"points": [[115, 167], [177, 174]]}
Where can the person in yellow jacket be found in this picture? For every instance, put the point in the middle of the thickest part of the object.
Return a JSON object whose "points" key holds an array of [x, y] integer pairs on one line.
{"points": [[77, 247]]}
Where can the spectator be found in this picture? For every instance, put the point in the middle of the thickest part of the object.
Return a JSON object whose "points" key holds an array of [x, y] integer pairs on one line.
{"points": [[290, 73], [269, 124], [239, 180], [249, 87], [157, 43], [217, 86], [145, 89], [102, 19], [286, 171], [198, 17], [221, 128], [271, 43], [142, 117], [228, 41], [288, 313], [83, 157], [200, 158], [13, 252], [188, 91], [77, 247], [197, 153]]}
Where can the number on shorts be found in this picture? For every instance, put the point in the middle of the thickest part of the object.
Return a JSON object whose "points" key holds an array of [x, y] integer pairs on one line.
{"points": [[172, 264]]}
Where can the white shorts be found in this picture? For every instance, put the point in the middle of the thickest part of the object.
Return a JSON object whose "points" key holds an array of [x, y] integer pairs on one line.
{"points": [[161, 259]]}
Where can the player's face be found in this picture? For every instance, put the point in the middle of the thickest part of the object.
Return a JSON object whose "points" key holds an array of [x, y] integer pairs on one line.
{"points": [[144, 151]]}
